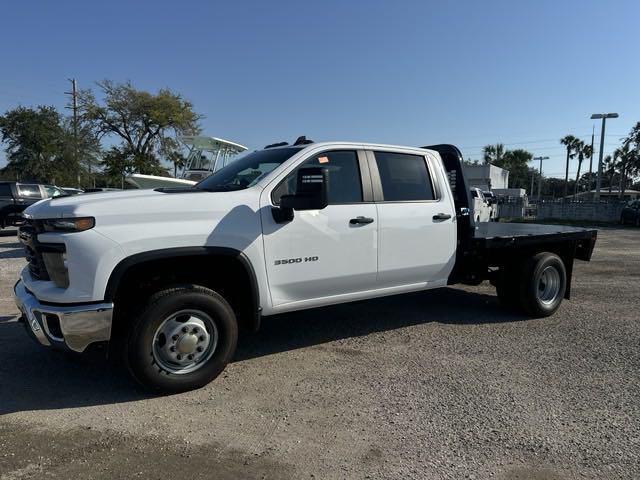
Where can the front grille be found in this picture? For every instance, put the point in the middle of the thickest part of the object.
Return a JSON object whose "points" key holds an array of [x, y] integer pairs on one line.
{"points": [[33, 249], [27, 235]]}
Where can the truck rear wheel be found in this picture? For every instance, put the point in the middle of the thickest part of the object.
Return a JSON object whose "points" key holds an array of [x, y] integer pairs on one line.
{"points": [[543, 284], [183, 339]]}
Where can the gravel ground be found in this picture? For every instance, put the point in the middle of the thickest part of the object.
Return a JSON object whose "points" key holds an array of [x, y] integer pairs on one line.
{"points": [[442, 384]]}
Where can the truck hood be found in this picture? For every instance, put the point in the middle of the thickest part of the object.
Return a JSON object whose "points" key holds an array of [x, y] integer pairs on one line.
{"points": [[83, 205], [135, 207]]}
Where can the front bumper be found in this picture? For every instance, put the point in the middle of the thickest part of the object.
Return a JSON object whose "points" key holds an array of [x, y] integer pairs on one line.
{"points": [[68, 327]]}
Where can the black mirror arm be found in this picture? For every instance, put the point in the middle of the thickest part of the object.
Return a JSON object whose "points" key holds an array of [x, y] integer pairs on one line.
{"points": [[282, 214]]}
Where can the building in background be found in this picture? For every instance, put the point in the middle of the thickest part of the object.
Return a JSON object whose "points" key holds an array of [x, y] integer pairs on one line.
{"points": [[486, 177]]}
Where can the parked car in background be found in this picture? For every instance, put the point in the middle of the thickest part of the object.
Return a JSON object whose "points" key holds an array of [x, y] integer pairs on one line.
{"points": [[481, 208], [631, 213], [15, 197], [71, 190], [52, 191]]}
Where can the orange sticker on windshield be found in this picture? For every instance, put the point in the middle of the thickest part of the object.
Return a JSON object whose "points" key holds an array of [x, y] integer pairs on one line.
{"points": [[323, 159]]}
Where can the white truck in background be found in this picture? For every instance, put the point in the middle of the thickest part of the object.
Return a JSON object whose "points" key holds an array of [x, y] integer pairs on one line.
{"points": [[168, 277], [482, 209]]}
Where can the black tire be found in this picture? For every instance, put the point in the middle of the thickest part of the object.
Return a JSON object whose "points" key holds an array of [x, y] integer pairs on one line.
{"points": [[539, 303], [140, 354]]}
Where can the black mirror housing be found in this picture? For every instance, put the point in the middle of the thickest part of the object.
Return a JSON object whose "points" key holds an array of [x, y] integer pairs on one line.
{"points": [[311, 194]]}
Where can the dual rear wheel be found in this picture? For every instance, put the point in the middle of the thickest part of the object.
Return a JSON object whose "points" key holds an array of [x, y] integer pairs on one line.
{"points": [[536, 285]]}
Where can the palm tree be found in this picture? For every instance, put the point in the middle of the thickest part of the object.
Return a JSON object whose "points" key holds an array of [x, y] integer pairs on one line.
{"points": [[610, 166], [584, 150], [572, 143], [492, 154], [627, 160]]}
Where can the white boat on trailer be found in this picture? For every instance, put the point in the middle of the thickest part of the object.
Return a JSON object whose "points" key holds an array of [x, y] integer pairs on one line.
{"points": [[206, 155]]}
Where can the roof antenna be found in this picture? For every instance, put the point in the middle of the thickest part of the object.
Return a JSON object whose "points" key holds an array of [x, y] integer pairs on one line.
{"points": [[302, 140]]}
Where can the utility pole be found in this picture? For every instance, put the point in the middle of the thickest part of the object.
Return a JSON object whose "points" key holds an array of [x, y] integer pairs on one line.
{"points": [[532, 177], [603, 116], [593, 132], [74, 108], [539, 179]]}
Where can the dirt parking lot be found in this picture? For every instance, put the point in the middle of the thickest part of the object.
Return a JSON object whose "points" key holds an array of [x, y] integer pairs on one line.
{"points": [[441, 384]]}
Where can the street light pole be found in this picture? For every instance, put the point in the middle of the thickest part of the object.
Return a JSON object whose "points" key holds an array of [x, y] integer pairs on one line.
{"points": [[604, 117], [539, 179]]}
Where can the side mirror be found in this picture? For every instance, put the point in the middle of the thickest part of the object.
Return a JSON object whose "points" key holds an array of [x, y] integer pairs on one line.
{"points": [[311, 194]]}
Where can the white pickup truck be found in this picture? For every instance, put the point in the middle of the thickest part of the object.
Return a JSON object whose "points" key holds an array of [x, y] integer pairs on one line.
{"points": [[168, 277]]}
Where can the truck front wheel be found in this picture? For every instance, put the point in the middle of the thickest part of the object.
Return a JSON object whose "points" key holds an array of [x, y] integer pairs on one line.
{"points": [[543, 284], [182, 339]]}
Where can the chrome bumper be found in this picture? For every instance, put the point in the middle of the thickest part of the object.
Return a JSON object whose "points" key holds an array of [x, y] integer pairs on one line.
{"points": [[71, 327]]}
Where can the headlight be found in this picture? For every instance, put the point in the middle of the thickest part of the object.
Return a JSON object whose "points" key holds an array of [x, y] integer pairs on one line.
{"points": [[55, 263], [79, 224]]}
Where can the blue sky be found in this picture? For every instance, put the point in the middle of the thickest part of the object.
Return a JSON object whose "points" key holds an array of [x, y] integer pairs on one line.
{"points": [[405, 72]]}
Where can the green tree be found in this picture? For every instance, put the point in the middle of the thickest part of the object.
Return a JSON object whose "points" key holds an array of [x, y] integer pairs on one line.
{"points": [[583, 151], [140, 120], [34, 141], [82, 153], [572, 144], [42, 147], [610, 166], [492, 154], [626, 165], [117, 164], [632, 157]]}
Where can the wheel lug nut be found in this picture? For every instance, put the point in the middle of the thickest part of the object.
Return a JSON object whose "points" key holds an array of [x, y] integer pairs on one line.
{"points": [[190, 357], [174, 338], [201, 338], [179, 357], [200, 349], [172, 348], [185, 329], [195, 330]]}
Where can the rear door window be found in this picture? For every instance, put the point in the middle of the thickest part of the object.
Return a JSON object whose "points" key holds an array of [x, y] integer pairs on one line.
{"points": [[29, 190], [404, 177], [5, 190]]}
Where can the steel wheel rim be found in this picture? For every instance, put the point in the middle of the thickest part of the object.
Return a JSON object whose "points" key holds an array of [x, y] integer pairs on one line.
{"points": [[548, 285], [185, 341]]}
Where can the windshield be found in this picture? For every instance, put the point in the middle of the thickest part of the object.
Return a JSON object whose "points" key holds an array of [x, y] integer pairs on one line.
{"points": [[247, 171]]}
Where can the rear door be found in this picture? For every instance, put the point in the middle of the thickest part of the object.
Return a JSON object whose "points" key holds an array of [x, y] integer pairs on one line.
{"points": [[323, 253], [417, 230]]}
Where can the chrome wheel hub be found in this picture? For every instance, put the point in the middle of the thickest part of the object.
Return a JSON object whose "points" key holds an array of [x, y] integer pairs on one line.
{"points": [[548, 285], [184, 341]]}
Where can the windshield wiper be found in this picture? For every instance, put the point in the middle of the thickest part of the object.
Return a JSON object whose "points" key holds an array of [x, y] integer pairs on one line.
{"points": [[225, 188]]}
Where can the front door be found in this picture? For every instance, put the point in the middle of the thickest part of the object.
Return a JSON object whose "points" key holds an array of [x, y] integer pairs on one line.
{"points": [[323, 253]]}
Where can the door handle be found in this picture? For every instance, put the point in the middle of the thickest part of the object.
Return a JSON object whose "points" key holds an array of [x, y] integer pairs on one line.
{"points": [[442, 216], [360, 221]]}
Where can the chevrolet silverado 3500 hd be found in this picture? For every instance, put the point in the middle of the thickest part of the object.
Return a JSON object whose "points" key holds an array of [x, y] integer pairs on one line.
{"points": [[170, 276]]}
